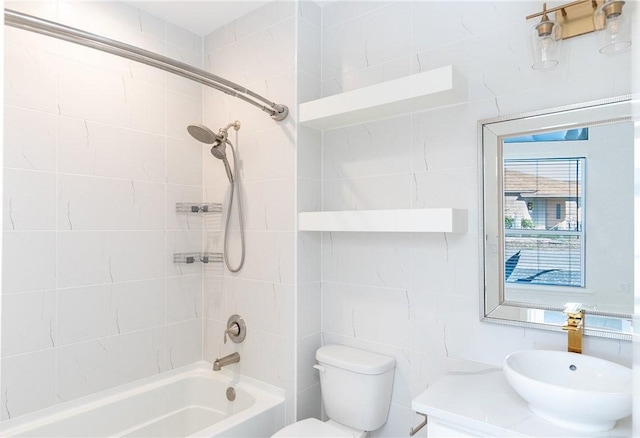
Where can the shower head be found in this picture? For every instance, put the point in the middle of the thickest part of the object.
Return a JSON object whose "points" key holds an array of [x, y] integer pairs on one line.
{"points": [[204, 134], [219, 140], [218, 150]]}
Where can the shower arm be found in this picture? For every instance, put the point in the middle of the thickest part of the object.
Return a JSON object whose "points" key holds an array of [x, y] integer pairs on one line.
{"points": [[77, 36]]}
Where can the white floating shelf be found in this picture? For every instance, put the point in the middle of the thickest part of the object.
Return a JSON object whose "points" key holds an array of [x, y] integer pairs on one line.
{"points": [[433, 88], [430, 220]]}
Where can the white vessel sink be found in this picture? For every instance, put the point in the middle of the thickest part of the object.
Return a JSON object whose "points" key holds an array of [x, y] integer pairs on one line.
{"points": [[571, 390]]}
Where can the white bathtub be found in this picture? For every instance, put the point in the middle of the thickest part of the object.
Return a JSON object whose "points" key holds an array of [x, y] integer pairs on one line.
{"points": [[189, 401]]}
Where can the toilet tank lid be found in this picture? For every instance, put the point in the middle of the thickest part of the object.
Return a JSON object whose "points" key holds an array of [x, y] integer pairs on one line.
{"points": [[354, 359]]}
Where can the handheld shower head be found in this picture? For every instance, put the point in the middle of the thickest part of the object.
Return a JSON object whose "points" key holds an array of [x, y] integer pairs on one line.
{"points": [[218, 150]]}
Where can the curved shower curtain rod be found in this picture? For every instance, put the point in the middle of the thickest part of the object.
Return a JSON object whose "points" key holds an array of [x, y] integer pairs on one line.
{"points": [[77, 36]]}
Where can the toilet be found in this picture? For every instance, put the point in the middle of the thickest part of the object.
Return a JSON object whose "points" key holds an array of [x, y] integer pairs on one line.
{"points": [[356, 393]]}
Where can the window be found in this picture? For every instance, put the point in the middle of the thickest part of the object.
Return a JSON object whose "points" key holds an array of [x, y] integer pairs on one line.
{"points": [[544, 229]]}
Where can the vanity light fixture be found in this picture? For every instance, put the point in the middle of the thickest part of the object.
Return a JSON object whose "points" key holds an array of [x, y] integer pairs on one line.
{"points": [[546, 41], [605, 17]]}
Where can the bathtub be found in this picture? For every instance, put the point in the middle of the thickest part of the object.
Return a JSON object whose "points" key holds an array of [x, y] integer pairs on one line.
{"points": [[189, 401]]}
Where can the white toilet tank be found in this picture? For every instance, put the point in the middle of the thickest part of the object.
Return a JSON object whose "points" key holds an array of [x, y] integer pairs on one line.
{"points": [[356, 386]]}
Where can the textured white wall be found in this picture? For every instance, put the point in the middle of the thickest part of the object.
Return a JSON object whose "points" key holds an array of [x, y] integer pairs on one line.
{"points": [[416, 296], [96, 156]]}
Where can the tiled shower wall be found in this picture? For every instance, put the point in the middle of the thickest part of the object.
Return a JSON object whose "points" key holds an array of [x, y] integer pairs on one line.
{"points": [[259, 52], [417, 296], [96, 155]]}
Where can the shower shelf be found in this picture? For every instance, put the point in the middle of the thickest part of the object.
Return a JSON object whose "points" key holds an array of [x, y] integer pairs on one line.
{"points": [[431, 89], [428, 220], [202, 257], [194, 207]]}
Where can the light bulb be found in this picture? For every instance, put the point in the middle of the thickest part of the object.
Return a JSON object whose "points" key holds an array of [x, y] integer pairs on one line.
{"points": [[613, 29], [545, 44]]}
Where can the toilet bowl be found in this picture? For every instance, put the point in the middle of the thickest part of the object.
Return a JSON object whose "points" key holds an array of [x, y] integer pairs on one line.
{"points": [[356, 393], [312, 427]]}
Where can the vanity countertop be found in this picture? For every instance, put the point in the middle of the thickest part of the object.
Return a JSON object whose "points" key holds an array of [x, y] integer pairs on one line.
{"points": [[484, 402]]}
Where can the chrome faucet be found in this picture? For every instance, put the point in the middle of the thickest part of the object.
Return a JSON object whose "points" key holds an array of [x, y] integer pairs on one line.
{"points": [[574, 326], [224, 361]]}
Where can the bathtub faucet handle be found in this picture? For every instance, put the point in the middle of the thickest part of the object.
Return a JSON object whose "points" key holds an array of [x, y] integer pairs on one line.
{"points": [[236, 329]]}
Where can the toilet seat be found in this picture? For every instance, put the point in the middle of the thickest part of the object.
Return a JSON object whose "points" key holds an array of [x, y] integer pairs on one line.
{"points": [[312, 427]]}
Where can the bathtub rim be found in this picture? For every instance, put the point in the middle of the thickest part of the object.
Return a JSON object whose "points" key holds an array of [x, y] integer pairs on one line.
{"points": [[266, 397]]}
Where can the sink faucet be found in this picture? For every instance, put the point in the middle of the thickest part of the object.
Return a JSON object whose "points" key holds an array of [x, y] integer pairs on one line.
{"points": [[574, 326], [224, 361]]}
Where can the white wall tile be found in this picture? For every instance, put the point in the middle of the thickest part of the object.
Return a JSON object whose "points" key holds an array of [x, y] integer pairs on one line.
{"points": [[30, 79], [124, 101], [368, 149], [269, 255], [184, 39], [95, 257], [366, 76], [309, 49], [94, 312], [213, 346], [308, 376], [309, 152], [184, 85], [309, 311], [310, 12], [436, 143], [262, 17], [266, 154], [309, 88], [373, 314], [182, 110], [119, 21], [450, 188], [218, 39], [368, 193], [29, 261], [89, 148], [90, 203], [28, 383], [28, 322], [380, 259], [214, 304], [309, 403], [92, 366], [264, 53], [309, 195], [372, 39], [309, 257], [184, 298], [29, 139], [268, 205], [29, 200], [338, 12], [184, 343], [264, 306], [184, 162]]}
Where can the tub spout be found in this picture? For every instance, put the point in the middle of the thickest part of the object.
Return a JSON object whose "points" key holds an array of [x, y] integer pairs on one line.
{"points": [[224, 361]]}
